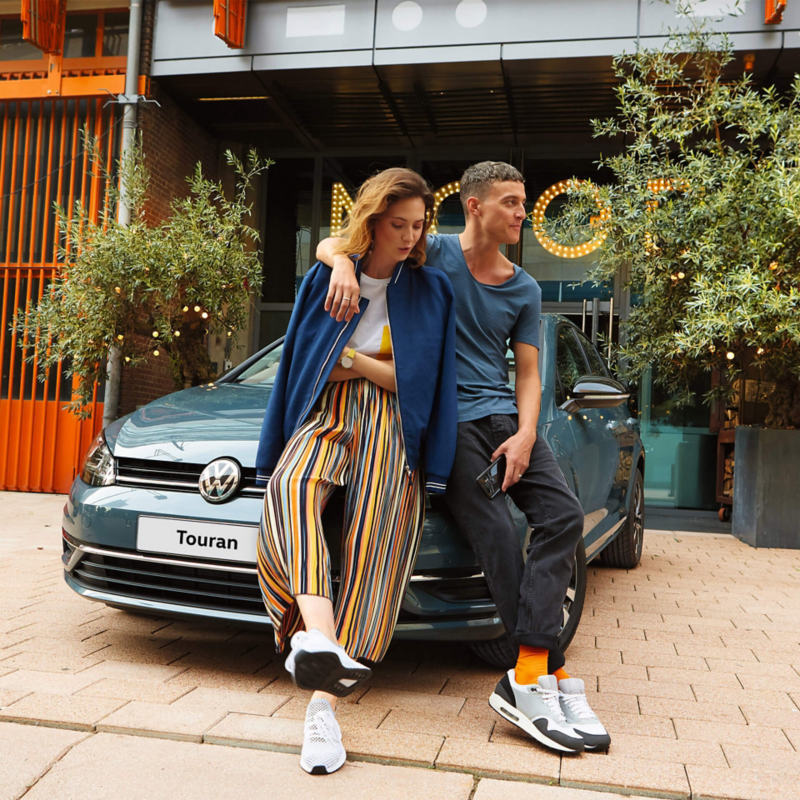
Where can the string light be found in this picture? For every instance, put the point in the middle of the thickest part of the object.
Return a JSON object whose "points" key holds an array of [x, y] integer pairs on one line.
{"points": [[156, 353], [681, 275], [760, 351], [118, 290], [120, 336], [551, 245], [197, 309], [185, 309], [155, 334], [127, 359], [730, 355], [176, 333], [204, 315]]}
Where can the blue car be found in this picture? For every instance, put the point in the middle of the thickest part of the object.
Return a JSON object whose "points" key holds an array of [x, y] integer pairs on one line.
{"points": [[164, 516]]}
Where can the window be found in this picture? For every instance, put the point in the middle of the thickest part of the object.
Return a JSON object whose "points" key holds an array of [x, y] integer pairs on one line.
{"points": [[12, 46], [570, 363], [80, 35], [115, 33], [596, 364], [263, 371], [96, 35]]}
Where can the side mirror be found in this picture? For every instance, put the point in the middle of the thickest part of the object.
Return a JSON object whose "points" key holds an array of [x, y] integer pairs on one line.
{"points": [[592, 391]]}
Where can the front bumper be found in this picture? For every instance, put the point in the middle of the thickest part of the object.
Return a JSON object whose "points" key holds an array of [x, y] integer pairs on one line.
{"points": [[447, 598]]}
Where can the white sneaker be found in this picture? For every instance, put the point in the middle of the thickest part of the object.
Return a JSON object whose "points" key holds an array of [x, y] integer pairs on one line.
{"points": [[580, 716], [319, 664], [322, 751], [535, 708]]}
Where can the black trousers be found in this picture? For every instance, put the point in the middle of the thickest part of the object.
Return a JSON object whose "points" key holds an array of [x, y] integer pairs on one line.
{"points": [[529, 594]]}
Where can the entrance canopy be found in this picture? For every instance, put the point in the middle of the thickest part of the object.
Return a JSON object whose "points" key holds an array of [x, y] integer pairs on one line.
{"points": [[416, 75]]}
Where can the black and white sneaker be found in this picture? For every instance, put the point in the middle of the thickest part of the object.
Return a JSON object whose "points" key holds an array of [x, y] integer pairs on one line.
{"points": [[319, 664], [536, 709], [580, 716], [322, 751]]}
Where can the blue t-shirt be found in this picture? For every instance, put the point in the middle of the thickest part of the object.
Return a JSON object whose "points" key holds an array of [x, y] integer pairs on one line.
{"points": [[487, 319]]}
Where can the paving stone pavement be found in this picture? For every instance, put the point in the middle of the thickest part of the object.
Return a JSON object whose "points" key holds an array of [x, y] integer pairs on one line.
{"points": [[692, 661]]}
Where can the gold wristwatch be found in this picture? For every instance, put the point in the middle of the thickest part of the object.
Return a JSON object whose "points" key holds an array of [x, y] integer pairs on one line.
{"points": [[347, 359]]}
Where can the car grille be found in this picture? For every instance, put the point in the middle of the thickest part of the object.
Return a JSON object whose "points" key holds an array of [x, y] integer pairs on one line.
{"points": [[178, 477], [219, 589], [153, 579]]}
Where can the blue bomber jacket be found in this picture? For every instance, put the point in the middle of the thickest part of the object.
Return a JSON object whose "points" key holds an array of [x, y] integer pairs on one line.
{"points": [[421, 313]]}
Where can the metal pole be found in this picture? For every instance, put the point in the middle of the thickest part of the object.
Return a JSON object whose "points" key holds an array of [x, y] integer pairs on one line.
{"points": [[129, 121], [583, 317], [610, 327], [595, 318]]}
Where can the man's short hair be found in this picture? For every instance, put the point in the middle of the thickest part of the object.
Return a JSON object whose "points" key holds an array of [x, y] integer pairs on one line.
{"points": [[477, 179]]}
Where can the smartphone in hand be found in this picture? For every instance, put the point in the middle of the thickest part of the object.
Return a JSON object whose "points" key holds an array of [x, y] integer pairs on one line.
{"points": [[490, 480]]}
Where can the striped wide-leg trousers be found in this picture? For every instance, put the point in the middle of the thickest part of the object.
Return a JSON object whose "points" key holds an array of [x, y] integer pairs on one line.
{"points": [[354, 439]]}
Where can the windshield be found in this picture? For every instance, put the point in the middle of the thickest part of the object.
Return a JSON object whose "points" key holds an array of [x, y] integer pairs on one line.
{"points": [[263, 371]]}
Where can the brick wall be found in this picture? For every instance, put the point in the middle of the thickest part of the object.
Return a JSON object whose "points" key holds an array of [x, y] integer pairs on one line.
{"points": [[173, 143]]}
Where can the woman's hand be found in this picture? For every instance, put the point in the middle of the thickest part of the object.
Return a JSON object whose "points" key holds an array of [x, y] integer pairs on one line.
{"points": [[344, 291]]}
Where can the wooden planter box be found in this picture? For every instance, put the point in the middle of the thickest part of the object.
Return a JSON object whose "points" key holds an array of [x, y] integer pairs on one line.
{"points": [[766, 491]]}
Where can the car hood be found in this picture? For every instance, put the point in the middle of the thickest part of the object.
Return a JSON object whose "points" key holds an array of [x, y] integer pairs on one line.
{"points": [[195, 426]]}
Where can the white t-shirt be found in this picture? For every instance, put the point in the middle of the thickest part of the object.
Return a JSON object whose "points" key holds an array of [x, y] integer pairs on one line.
{"points": [[371, 336]]}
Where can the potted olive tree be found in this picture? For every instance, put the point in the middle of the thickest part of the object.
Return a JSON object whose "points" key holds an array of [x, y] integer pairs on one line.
{"points": [[704, 222], [147, 291]]}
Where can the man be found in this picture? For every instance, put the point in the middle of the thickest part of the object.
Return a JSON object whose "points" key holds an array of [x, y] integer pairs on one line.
{"points": [[497, 303]]}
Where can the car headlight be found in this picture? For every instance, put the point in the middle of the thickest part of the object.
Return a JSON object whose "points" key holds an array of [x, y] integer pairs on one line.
{"points": [[98, 466]]}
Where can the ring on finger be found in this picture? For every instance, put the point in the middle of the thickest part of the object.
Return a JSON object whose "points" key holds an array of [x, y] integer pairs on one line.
{"points": [[520, 474]]}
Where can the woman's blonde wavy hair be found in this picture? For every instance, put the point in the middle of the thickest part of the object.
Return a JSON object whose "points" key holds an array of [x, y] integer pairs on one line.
{"points": [[374, 198]]}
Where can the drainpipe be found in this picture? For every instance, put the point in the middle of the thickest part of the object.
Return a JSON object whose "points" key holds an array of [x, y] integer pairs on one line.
{"points": [[130, 100]]}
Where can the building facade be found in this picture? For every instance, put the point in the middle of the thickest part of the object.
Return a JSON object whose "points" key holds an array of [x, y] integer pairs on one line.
{"points": [[335, 91]]}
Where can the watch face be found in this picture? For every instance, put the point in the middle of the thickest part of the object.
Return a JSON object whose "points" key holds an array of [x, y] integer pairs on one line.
{"points": [[346, 362]]}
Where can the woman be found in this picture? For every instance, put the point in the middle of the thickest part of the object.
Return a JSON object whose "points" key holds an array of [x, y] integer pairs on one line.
{"points": [[367, 404]]}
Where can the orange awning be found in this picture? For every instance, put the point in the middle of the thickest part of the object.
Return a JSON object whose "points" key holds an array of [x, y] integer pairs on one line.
{"points": [[229, 21], [773, 11], [43, 23]]}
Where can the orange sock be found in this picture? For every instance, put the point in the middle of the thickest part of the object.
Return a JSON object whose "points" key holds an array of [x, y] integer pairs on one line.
{"points": [[532, 663], [561, 674]]}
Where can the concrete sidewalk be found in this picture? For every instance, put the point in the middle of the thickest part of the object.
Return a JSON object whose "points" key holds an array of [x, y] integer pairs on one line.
{"points": [[692, 661]]}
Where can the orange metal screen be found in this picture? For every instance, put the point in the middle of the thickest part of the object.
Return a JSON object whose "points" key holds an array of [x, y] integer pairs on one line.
{"points": [[42, 23], [229, 21], [41, 162]]}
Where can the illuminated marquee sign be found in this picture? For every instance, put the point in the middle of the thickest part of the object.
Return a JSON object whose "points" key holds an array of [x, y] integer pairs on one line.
{"points": [[342, 203], [552, 246]]}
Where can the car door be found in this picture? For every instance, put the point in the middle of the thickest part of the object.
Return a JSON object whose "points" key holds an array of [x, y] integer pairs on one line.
{"points": [[596, 454]]}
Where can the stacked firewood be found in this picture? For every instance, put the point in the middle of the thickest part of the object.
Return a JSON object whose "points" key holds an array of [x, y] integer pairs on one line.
{"points": [[727, 478]]}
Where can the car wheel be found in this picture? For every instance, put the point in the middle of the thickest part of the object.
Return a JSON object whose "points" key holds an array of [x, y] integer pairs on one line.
{"points": [[502, 652], [625, 550]]}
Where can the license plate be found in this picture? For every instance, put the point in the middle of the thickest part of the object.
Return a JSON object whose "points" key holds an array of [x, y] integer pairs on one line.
{"points": [[220, 541]]}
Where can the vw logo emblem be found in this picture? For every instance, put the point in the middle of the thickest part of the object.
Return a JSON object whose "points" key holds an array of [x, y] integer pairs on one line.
{"points": [[219, 480]]}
